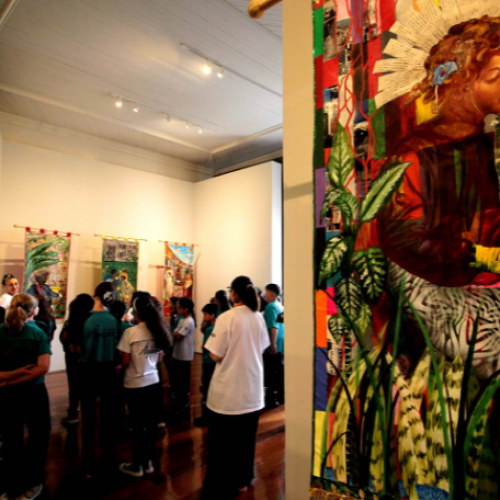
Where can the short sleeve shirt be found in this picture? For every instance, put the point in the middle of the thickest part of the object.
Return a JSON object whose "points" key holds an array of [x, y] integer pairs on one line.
{"points": [[271, 313], [139, 342], [24, 349], [184, 348], [239, 338], [207, 360], [101, 333]]}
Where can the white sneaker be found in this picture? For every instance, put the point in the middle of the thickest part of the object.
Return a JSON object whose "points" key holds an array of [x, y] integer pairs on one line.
{"points": [[132, 470], [149, 467], [32, 493]]}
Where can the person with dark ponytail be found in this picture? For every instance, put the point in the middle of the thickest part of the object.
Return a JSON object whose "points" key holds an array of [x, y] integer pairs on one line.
{"points": [[182, 356], [99, 368], [222, 301], [24, 400], [142, 347], [236, 393]]}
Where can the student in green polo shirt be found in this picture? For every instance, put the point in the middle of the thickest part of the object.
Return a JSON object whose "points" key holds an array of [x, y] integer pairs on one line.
{"points": [[209, 316], [273, 357], [100, 378], [25, 401]]}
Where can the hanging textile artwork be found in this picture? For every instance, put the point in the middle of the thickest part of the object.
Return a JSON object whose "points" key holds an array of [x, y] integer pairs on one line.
{"points": [[407, 245], [178, 275], [46, 268], [119, 266]]}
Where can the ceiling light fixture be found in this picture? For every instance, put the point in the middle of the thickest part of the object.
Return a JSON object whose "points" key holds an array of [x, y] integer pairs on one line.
{"points": [[200, 130], [207, 69], [187, 125], [136, 108], [220, 73], [119, 102]]}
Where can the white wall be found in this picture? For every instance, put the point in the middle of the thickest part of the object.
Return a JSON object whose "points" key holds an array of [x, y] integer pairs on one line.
{"points": [[298, 239], [45, 188], [238, 225]]}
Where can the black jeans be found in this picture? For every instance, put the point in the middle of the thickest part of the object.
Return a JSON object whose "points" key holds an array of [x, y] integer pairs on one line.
{"points": [[24, 465], [274, 378], [180, 371], [143, 407], [206, 378], [100, 382], [231, 454], [73, 375]]}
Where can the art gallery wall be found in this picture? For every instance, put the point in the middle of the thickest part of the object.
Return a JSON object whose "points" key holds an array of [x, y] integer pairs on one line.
{"points": [[51, 180], [50, 189], [238, 225]]}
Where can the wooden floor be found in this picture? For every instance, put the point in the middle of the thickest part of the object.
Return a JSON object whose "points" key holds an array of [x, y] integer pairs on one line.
{"points": [[180, 461]]}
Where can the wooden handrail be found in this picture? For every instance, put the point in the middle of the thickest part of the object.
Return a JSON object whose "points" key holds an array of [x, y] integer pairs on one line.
{"points": [[256, 8]]}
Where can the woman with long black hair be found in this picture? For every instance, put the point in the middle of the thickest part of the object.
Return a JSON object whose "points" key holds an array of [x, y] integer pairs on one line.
{"points": [[236, 393], [71, 338], [142, 347]]}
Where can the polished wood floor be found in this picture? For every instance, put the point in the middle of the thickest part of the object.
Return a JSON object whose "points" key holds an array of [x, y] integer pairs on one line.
{"points": [[180, 461]]}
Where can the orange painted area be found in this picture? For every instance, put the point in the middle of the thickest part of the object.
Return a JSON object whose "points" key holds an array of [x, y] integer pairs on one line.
{"points": [[321, 314]]}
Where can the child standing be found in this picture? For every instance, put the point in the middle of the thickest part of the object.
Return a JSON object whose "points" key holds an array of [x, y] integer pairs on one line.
{"points": [[142, 347], [25, 401], [182, 356], [273, 357], [99, 365], [209, 316]]}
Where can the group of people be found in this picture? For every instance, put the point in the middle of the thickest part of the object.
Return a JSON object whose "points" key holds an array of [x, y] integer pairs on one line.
{"points": [[113, 359]]}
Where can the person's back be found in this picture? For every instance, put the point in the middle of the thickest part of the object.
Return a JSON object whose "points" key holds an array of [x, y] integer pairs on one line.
{"points": [[100, 337], [239, 337]]}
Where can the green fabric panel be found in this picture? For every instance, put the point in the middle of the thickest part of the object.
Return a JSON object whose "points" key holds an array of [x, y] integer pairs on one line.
{"points": [[318, 31]]}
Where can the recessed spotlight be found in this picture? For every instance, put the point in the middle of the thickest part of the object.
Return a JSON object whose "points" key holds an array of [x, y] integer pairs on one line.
{"points": [[187, 125], [207, 69], [220, 73], [119, 102], [200, 130], [136, 108]]}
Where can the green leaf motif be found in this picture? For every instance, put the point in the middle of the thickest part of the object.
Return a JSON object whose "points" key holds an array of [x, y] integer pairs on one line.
{"points": [[349, 297], [332, 258], [341, 161], [348, 204], [337, 328], [381, 191], [330, 198], [371, 266], [365, 318]]}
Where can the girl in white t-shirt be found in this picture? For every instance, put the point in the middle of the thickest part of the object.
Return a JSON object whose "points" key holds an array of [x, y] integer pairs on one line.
{"points": [[236, 393], [11, 287], [142, 347]]}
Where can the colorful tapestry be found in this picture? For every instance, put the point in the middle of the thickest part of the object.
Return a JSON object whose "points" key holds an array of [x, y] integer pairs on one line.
{"points": [[178, 276], [407, 249], [46, 268], [119, 266]]}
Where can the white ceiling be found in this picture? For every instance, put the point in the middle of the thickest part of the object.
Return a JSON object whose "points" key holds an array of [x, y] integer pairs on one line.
{"points": [[61, 59]]}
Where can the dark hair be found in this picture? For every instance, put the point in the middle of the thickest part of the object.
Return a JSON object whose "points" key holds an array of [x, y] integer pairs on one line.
{"points": [[106, 291], [174, 300], [118, 309], [79, 311], [210, 309], [263, 303], [41, 276], [113, 271], [44, 309], [187, 303], [149, 313], [6, 278], [157, 303], [223, 299], [272, 287], [138, 294], [243, 287]]}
